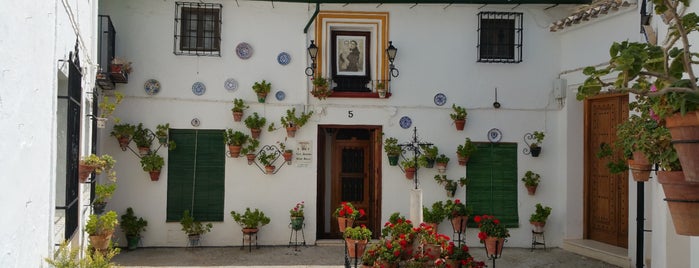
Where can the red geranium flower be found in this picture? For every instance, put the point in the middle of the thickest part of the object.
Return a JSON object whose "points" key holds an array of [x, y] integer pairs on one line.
{"points": [[482, 236], [477, 219]]}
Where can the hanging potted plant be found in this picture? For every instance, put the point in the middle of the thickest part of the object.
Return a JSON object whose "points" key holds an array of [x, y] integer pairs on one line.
{"points": [[193, 229], [459, 116], [123, 134], [321, 89], [531, 181], [356, 239], [107, 107], [98, 164], [268, 159], [464, 151], [429, 154], [143, 139], [119, 70], [103, 192], [538, 218], [393, 150], [441, 161], [381, 89], [293, 123], [449, 185], [238, 109], [262, 89], [161, 133], [250, 220], [250, 149], [100, 229], [286, 153], [535, 147], [409, 166], [152, 163], [296, 216], [255, 124], [235, 141], [132, 228], [635, 137]]}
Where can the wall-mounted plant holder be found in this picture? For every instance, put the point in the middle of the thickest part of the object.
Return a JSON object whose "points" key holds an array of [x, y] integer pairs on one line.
{"points": [[266, 159], [413, 149], [532, 146]]}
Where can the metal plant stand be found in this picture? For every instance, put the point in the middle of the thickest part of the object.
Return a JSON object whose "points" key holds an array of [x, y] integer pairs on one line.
{"points": [[535, 239], [295, 235], [347, 257], [415, 147], [249, 236], [498, 251]]}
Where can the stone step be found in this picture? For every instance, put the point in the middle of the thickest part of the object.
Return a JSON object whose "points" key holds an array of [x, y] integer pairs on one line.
{"points": [[597, 250]]}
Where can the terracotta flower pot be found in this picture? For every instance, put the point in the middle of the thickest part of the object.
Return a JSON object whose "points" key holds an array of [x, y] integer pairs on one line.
{"points": [[287, 156], [143, 150], [490, 245], [291, 132], [460, 124], [234, 150], [463, 160], [251, 158], [683, 201], [432, 251], [531, 189], [255, 133], [154, 175], [640, 172], [343, 223], [538, 226], [237, 116], [409, 173], [270, 169], [84, 171], [684, 130], [101, 242], [123, 142], [355, 247], [442, 167], [458, 224]]}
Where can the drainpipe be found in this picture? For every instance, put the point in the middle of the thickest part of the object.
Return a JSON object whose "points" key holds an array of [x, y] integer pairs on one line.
{"points": [[640, 204], [313, 17]]}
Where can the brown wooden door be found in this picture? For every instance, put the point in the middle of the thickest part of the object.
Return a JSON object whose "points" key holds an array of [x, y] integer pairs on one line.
{"points": [[350, 177], [606, 195]]}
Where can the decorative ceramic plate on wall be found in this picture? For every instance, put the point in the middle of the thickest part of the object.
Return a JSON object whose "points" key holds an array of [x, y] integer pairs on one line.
{"points": [[494, 135], [195, 122], [152, 87], [405, 122], [231, 84], [280, 95], [243, 50], [198, 88], [440, 99], [284, 58]]}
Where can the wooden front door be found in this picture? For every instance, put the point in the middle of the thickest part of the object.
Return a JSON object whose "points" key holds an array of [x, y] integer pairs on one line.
{"points": [[606, 195], [350, 153]]}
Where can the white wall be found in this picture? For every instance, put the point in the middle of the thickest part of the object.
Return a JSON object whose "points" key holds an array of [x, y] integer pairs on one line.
{"points": [[437, 53]]}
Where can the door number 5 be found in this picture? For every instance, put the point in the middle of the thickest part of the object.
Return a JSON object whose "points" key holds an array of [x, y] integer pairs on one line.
{"points": [[350, 114]]}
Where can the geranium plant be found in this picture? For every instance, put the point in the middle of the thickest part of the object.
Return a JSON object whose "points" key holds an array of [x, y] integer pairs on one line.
{"points": [[461, 255], [456, 208], [490, 226], [358, 233], [389, 251], [396, 226], [297, 211], [347, 210]]}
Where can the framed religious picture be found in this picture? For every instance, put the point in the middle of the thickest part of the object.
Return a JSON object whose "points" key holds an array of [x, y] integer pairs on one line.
{"points": [[350, 60]]}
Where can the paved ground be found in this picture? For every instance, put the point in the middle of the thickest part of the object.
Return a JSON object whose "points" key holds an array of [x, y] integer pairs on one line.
{"points": [[325, 256]]}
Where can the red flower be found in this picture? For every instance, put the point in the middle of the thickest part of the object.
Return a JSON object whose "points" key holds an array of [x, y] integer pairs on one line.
{"points": [[389, 245], [482, 236], [361, 213], [349, 210], [477, 219], [342, 213], [496, 221], [457, 201], [396, 253]]}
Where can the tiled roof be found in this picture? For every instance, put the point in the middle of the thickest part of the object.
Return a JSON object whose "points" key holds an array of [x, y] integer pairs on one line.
{"points": [[589, 12]]}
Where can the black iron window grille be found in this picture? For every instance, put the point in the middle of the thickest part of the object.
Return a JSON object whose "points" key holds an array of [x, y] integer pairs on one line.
{"points": [[500, 37], [197, 29]]}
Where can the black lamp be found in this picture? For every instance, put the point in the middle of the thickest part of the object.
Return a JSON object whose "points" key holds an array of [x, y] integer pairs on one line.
{"points": [[313, 52], [391, 52]]}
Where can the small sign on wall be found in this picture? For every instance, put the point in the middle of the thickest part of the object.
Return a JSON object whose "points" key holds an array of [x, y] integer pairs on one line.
{"points": [[303, 154]]}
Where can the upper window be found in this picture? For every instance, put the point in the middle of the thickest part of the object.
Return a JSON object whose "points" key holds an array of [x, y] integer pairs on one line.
{"points": [[197, 29], [500, 37]]}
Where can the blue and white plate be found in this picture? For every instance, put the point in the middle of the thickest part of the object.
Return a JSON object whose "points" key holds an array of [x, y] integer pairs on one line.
{"points": [[198, 88], [494, 135], [440, 99], [405, 122], [152, 87], [280, 95], [284, 58], [243, 50], [231, 84]]}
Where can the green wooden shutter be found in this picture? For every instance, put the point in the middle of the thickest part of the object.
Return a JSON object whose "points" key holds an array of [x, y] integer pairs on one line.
{"points": [[492, 190], [196, 175]]}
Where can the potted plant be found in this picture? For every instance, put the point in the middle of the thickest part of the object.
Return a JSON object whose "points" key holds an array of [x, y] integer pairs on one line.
{"points": [[381, 89], [286, 153], [262, 89], [321, 89], [132, 228], [161, 133], [119, 70], [346, 213], [449, 185], [153, 164], [194, 229], [255, 124], [459, 116], [250, 220], [531, 181], [458, 213], [492, 233], [65, 256], [442, 161], [296, 215], [123, 133], [143, 139], [464, 151], [268, 159], [431, 241], [107, 107], [238, 109], [100, 229], [98, 164], [458, 256], [250, 149], [370, 255], [410, 167], [538, 218], [535, 147], [434, 216], [292, 123], [393, 150], [235, 141], [389, 253], [398, 227], [356, 239], [103, 192], [429, 154]]}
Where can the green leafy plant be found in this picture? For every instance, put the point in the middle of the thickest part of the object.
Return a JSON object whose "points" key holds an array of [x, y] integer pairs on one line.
{"points": [[250, 147], [442, 159], [459, 112], [541, 214], [152, 162], [380, 85], [357, 233], [490, 226], [267, 159], [538, 137], [262, 87], [101, 225], [255, 121], [104, 163], [398, 226], [239, 106], [123, 130], [466, 149], [389, 251], [371, 254], [108, 105], [236, 138], [434, 215], [297, 211], [131, 225], [104, 192], [390, 146], [456, 208], [429, 155], [65, 257], [321, 88], [250, 219], [449, 185], [142, 136], [409, 163], [290, 120], [192, 227], [531, 179]]}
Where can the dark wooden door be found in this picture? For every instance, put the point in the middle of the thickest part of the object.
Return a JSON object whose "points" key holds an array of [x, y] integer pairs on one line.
{"points": [[350, 177], [606, 195]]}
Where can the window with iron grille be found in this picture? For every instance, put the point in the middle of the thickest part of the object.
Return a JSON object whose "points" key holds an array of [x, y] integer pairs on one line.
{"points": [[500, 37], [197, 29]]}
